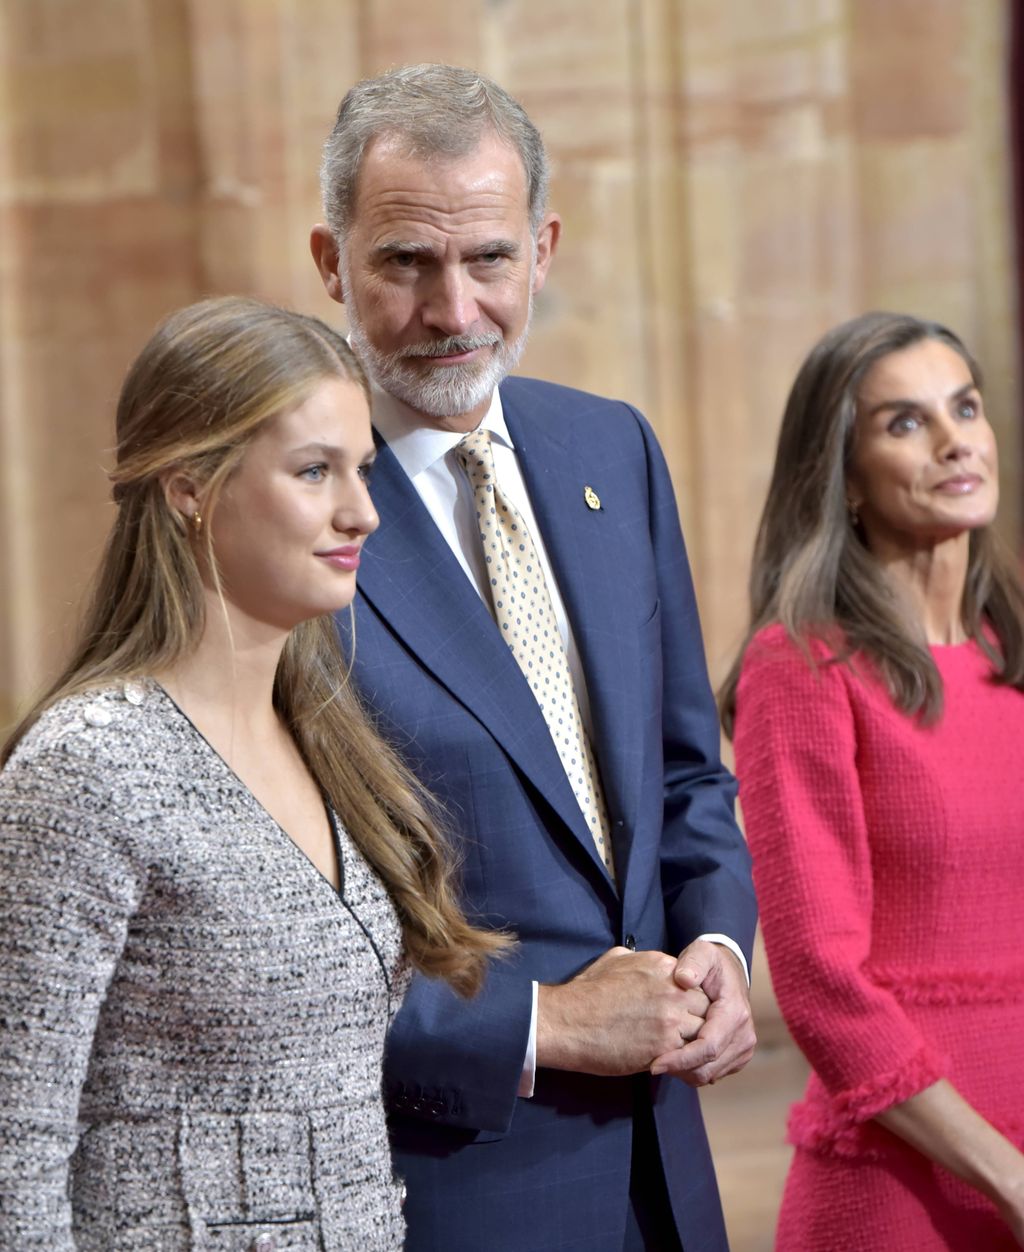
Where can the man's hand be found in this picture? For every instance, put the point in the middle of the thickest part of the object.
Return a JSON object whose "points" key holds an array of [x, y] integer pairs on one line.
{"points": [[618, 1014], [725, 1041]]}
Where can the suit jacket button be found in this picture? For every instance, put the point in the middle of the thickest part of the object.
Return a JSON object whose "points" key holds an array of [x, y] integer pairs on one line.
{"points": [[630, 942]]}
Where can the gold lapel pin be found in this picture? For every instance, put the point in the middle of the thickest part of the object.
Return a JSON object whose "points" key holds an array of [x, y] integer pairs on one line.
{"points": [[592, 498]]}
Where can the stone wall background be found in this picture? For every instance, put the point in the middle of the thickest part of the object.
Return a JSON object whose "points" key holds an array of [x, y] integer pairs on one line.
{"points": [[734, 176]]}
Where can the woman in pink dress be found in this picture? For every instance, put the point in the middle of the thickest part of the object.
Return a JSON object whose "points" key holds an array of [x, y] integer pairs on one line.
{"points": [[878, 717]]}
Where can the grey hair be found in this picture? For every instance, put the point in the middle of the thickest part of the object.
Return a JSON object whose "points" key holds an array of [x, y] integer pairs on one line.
{"points": [[438, 110]]}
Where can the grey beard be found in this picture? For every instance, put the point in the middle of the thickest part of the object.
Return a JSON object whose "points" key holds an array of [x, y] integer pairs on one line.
{"points": [[445, 390]]}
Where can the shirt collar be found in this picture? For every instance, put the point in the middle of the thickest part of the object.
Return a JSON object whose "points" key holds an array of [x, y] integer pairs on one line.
{"points": [[418, 447]]}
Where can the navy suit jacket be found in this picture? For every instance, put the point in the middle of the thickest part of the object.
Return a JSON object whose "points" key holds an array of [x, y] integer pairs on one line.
{"points": [[484, 1168]]}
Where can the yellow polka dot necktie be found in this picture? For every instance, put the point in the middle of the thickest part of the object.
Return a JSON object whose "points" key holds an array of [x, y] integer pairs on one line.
{"points": [[522, 608]]}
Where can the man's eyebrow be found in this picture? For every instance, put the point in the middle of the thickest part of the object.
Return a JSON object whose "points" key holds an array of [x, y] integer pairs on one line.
{"points": [[882, 405], [502, 247], [403, 247], [409, 247]]}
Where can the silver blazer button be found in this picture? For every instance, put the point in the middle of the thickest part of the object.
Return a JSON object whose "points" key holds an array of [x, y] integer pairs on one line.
{"points": [[97, 715]]}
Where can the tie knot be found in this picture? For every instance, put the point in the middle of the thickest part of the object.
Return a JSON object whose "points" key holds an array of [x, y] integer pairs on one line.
{"points": [[475, 453]]}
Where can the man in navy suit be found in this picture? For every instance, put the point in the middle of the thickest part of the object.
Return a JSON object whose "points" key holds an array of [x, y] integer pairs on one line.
{"points": [[558, 1109]]}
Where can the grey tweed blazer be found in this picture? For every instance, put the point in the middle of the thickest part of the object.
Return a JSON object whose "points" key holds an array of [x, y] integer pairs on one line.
{"points": [[191, 1019]]}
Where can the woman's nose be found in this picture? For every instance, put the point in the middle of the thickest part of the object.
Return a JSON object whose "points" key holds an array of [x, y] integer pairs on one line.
{"points": [[355, 513], [951, 444]]}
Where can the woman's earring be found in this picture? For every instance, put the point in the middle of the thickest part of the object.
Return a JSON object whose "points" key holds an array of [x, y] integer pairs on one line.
{"points": [[851, 508], [197, 522]]}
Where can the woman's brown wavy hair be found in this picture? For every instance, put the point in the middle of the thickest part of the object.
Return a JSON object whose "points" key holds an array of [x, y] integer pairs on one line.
{"points": [[206, 383], [811, 570]]}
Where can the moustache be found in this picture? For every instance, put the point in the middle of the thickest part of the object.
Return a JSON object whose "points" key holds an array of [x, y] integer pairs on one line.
{"points": [[451, 346]]}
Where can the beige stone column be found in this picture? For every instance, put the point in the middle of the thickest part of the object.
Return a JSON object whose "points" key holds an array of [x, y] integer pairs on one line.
{"points": [[934, 188], [98, 241]]}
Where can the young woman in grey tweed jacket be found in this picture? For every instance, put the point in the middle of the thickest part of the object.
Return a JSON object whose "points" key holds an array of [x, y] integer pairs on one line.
{"points": [[213, 875]]}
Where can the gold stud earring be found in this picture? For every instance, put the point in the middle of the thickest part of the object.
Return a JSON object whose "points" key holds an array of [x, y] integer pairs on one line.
{"points": [[197, 522]]}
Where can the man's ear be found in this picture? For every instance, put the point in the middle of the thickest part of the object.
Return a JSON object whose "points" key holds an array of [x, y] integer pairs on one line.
{"points": [[547, 242], [181, 494], [325, 253]]}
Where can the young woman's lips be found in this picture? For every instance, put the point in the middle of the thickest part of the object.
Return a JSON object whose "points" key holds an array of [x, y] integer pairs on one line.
{"points": [[959, 485], [346, 558]]}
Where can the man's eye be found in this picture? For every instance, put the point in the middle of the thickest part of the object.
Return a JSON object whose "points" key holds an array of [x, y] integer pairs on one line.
{"points": [[403, 260], [366, 471], [967, 409]]}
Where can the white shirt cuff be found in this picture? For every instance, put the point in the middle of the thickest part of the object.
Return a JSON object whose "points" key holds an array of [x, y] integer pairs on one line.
{"points": [[530, 1063], [726, 942]]}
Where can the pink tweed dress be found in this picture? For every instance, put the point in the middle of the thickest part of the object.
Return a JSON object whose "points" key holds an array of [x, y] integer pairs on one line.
{"points": [[889, 865]]}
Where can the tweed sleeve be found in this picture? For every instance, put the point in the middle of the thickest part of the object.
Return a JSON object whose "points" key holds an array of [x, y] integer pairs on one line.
{"points": [[69, 885], [796, 757]]}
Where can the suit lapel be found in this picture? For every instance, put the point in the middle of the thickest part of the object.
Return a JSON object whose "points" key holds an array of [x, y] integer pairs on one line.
{"points": [[583, 545], [414, 582]]}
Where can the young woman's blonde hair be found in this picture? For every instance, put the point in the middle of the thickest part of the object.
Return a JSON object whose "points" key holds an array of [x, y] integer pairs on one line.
{"points": [[207, 382]]}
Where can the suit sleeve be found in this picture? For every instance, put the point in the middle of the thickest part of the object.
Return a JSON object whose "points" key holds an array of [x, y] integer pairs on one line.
{"points": [[705, 863], [796, 758], [67, 891], [483, 1043]]}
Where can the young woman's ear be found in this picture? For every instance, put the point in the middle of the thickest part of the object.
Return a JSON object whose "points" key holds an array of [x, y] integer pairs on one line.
{"points": [[182, 496]]}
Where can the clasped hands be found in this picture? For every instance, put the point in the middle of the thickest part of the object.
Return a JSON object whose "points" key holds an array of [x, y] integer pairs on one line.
{"points": [[688, 1016]]}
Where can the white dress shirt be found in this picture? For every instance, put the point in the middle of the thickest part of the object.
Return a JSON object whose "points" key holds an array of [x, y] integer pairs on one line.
{"points": [[428, 457]]}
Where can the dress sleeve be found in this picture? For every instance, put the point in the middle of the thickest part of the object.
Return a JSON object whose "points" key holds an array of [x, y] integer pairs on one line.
{"points": [[796, 757], [68, 888]]}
